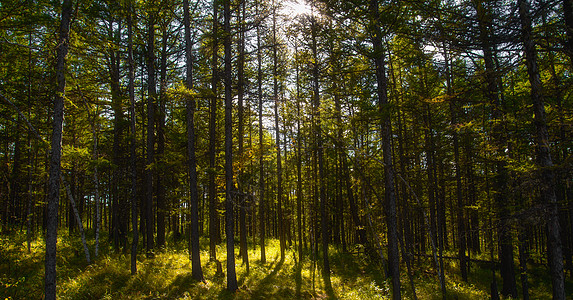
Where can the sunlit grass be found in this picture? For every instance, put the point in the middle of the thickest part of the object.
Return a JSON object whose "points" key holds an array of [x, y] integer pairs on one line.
{"points": [[168, 275]]}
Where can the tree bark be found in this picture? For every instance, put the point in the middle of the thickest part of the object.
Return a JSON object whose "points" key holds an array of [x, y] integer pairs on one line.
{"points": [[244, 253], [151, 99], [261, 144], [386, 136], [56, 154], [544, 160], [160, 119], [500, 186], [232, 284], [277, 140], [213, 214], [196, 270], [133, 157]]}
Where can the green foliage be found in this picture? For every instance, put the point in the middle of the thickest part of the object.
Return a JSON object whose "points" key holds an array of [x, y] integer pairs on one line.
{"points": [[168, 275]]}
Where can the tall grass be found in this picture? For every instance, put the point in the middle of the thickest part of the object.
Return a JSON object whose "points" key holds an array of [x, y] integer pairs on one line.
{"points": [[168, 275]]}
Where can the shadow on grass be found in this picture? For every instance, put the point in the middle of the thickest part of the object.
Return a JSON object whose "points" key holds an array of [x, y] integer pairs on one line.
{"points": [[181, 284], [263, 288]]}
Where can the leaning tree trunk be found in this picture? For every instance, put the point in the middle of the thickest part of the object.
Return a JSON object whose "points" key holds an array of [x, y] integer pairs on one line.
{"points": [[544, 161], [56, 155], [78, 219]]}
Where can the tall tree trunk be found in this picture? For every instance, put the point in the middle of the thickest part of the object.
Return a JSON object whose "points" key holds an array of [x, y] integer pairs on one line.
{"points": [[132, 148], [261, 144], [196, 270], [151, 99], [56, 155], [544, 161], [500, 186], [232, 284], [386, 136], [160, 185], [299, 162], [117, 107], [324, 217], [460, 203], [15, 196], [277, 139], [244, 253], [213, 205]]}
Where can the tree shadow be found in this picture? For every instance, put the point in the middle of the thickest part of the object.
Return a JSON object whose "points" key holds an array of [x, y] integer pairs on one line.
{"points": [[263, 289], [181, 284]]}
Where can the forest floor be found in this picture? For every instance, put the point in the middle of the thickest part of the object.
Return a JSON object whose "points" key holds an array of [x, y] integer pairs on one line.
{"points": [[168, 275]]}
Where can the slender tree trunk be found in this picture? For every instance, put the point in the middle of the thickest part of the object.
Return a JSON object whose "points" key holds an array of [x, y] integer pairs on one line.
{"points": [[261, 144], [78, 219], [232, 284], [299, 163], [324, 217], [151, 99], [132, 150], [244, 253], [507, 269], [386, 135], [213, 214], [544, 161], [118, 121], [160, 119], [196, 270], [460, 203], [56, 155], [277, 140]]}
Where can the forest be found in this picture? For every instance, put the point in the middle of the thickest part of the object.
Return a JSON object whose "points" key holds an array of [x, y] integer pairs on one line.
{"points": [[286, 149]]}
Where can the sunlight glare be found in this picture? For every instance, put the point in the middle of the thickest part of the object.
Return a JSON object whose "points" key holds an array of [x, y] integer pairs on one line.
{"points": [[296, 8]]}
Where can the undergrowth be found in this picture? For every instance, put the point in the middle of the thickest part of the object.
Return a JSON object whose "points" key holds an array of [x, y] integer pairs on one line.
{"points": [[168, 275]]}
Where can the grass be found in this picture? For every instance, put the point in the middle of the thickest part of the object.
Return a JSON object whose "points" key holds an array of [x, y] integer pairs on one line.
{"points": [[168, 275]]}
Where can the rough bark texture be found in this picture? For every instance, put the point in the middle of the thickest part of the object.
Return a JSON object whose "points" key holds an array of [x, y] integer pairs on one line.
{"points": [[544, 161], [278, 144], [213, 217], [133, 158], [151, 98], [56, 155], [232, 284], [499, 138], [196, 270], [386, 136], [261, 145], [240, 97]]}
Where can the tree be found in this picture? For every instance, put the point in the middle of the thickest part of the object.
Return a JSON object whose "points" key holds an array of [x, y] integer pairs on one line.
{"points": [[56, 153], [214, 231], [386, 136], [197, 271], [544, 161], [229, 186], [150, 155]]}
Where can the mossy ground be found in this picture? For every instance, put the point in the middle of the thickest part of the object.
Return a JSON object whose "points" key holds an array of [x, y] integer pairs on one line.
{"points": [[168, 275]]}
